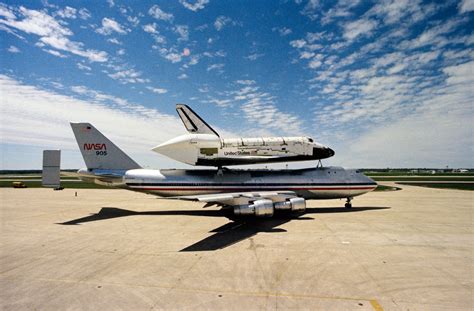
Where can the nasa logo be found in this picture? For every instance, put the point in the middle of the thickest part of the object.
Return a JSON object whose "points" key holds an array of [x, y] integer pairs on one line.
{"points": [[100, 149], [95, 147]]}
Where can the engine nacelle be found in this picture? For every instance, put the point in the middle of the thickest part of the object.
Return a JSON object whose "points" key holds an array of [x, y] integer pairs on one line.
{"points": [[259, 208], [293, 204]]}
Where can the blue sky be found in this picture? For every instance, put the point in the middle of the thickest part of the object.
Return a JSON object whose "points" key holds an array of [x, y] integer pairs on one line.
{"points": [[384, 83]]}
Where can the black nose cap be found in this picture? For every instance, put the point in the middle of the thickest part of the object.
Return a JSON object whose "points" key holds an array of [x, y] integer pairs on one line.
{"points": [[323, 153]]}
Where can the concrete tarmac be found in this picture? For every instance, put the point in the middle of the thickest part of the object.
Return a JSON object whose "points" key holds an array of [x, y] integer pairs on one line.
{"points": [[113, 249]]}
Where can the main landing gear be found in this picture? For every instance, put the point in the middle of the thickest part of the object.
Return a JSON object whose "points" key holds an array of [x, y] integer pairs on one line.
{"points": [[348, 203]]}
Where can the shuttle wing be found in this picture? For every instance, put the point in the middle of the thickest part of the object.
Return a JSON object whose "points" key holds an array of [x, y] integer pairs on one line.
{"points": [[238, 198], [193, 123]]}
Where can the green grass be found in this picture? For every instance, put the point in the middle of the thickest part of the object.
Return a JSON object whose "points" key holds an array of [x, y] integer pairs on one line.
{"points": [[386, 188], [424, 178], [456, 186], [369, 173]]}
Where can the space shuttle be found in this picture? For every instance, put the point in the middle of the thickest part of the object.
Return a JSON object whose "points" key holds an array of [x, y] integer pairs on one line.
{"points": [[203, 146]]}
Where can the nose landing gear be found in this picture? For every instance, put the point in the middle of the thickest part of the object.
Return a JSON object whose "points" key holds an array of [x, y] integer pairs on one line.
{"points": [[348, 203]]}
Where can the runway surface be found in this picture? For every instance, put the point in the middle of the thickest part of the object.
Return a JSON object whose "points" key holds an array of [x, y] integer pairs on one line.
{"points": [[112, 249]]}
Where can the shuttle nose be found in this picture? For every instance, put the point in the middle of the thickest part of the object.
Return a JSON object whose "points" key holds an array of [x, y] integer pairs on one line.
{"points": [[323, 153]]}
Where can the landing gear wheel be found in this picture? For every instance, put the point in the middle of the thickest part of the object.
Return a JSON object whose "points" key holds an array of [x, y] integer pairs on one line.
{"points": [[348, 203]]}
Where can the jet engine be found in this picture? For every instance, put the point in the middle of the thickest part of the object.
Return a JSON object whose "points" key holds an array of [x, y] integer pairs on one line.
{"points": [[259, 208], [265, 208], [293, 204]]}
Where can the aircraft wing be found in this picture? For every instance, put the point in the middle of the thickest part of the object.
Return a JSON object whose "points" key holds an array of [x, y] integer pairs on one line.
{"points": [[237, 198]]}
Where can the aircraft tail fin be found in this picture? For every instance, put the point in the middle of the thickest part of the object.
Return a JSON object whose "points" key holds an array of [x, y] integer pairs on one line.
{"points": [[193, 123], [98, 151]]}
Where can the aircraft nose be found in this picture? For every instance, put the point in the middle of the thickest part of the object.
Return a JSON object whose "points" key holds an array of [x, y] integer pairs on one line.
{"points": [[323, 153]]}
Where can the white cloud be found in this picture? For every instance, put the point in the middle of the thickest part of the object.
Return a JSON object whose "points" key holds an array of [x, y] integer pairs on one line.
{"points": [[157, 90], [435, 35], [361, 27], [13, 49], [254, 56], [221, 21], [341, 9], [306, 55], [83, 67], [311, 9], [245, 82], [109, 26], [51, 33], [183, 76], [194, 60], [183, 32], [314, 63], [158, 13], [128, 76], [220, 102], [133, 20], [84, 14], [67, 12], [150, 28], [114, 41], [111, 3], [298, 44], [217, 67], [393, 11], [172, 56], [196, 6], [284, 31], [5, 12], [55, 53], [466, 6]]}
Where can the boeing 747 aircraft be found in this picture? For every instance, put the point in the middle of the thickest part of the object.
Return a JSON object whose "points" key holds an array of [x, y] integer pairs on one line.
{"points": [[246, 192], [203, 146]]}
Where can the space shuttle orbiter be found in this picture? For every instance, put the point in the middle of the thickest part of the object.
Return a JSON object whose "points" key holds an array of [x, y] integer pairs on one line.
{"points": [[204, 146]]}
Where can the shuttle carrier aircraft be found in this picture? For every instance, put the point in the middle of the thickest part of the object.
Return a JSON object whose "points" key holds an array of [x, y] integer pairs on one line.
{"points": [[246, 192], [203, 146]]}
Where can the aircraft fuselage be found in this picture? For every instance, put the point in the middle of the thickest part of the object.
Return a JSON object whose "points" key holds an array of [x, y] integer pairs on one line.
{"points": [[313, 183]]}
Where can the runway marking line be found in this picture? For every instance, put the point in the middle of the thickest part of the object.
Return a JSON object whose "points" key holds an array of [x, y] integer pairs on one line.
{"points": [[373, 302]]}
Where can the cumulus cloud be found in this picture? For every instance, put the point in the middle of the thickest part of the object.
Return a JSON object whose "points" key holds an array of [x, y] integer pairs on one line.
{"points": [[284, 31], [128, 76], [67, 12], [254, 56], [84, 14], [361, 27], [50, 31], [221, 21], [183, 32], [216, 67], [158, 13], [150, 28], [466, 6], [55, 53], [196, 6], [13, 49], [157, 90], [110, 26]]}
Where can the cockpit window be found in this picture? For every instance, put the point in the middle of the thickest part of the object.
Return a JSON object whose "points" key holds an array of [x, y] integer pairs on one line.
{"points": [[310, 139]]}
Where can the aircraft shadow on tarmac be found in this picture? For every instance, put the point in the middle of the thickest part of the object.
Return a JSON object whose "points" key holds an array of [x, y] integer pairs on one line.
{"points": [[238, 229]]}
